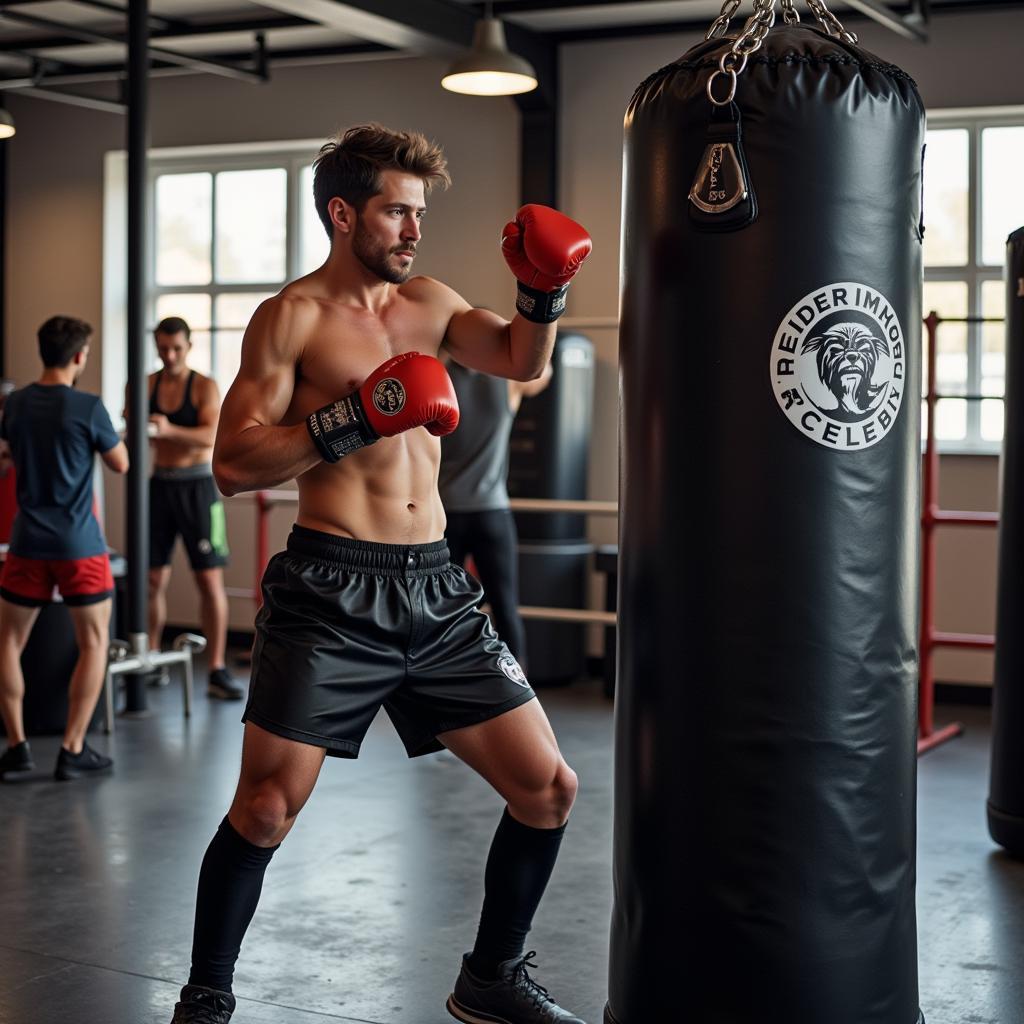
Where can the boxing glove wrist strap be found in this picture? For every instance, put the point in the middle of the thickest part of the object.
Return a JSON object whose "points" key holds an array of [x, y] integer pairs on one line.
{"points": [[540, 307], [340, 428]]}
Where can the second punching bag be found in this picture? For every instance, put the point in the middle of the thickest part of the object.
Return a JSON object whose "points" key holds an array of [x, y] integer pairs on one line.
{"points": [[1006, 792], [769, 538]]}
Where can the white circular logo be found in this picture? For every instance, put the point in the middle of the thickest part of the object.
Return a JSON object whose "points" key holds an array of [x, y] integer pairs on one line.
{"points": [[839, 365]]}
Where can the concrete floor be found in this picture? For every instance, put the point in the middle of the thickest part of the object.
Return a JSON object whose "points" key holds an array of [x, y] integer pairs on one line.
{"points": [[374, 896]]}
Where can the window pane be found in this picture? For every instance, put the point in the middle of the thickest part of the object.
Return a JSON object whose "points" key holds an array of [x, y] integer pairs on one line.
{"points": [[949, 298], [315, 243], [195, 311], [951, 419], [183, 228], [1002, 198], [945, 198], [251, 215], [993, 359], [231, 316]]}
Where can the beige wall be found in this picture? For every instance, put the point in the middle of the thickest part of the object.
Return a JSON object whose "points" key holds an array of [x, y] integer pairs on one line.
{"points": [[54, 228]]}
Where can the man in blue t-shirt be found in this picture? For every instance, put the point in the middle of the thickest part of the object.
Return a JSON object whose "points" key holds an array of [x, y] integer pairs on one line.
{"points": [[57, 543]]}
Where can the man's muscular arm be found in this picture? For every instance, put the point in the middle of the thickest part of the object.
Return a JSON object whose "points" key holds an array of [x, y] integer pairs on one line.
{"points": [[543, 248], [252, 450], [482, 340]]}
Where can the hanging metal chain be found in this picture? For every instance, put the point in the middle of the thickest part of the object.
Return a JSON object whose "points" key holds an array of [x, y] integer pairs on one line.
{"points": [[790, 14], [829, 22], [721, 24], [734, 60]]}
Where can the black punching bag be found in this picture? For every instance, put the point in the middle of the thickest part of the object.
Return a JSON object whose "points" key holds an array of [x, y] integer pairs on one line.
{"points": [[769, 537], [1006, 791]]}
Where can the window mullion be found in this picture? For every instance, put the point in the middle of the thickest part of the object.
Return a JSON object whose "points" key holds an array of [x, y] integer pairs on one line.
{"points": [[973, 287], [212, 290], [292, 228]]}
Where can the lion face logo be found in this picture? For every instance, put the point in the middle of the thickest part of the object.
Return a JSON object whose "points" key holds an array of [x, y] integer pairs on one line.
{"points": [[839, 366], [847, 355]]}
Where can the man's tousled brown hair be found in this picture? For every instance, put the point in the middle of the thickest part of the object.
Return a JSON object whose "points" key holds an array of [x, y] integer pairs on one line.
{"points": [[349, 166]]}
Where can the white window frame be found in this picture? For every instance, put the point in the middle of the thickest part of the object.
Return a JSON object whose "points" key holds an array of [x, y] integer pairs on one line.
{"points": [[974, 120], [294, 156]]}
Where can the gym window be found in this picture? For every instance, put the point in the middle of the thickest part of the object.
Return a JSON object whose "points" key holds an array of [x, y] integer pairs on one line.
{"points": [[972, 201], [228, 232]]}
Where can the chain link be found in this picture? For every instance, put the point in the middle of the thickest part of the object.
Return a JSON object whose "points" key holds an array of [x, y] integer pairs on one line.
{"points": [[789, 13], [749, 41], [721, 24], [829, 22], [734, 60]]}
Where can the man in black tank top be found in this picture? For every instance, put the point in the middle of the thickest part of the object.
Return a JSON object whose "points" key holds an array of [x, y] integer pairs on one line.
{"points": [[183, 500]]}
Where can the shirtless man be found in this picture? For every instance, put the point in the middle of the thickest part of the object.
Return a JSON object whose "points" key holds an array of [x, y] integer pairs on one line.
{"points": [[183, 499], [364, 607]]}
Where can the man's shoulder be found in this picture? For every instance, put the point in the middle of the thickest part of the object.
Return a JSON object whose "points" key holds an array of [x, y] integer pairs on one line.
{"points": [[423, 285], [429, 290], [294, 304], [86, 401]]}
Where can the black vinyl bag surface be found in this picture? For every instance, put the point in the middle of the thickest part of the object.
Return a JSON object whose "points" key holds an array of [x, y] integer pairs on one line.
{"points": [[1006, 789], [769, 538]]}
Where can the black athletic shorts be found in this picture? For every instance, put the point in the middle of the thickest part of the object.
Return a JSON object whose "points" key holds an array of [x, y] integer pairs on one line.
{"points": [[185, 500], [348, 626]]}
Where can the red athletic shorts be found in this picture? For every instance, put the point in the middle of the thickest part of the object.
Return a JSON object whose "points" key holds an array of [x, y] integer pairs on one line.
{"points": [[31, 581]]}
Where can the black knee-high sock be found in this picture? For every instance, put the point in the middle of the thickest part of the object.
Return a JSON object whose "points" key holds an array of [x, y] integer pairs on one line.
{"points": [[518, 868], [230, 882]]}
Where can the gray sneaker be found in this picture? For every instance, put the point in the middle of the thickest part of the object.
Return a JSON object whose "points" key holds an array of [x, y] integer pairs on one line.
{"points": [[512, 998], [201, 1005]]}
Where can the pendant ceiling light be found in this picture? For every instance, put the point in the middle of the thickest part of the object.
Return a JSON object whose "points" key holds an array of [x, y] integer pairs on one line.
{"points": [[6, 123], [489, 69]]}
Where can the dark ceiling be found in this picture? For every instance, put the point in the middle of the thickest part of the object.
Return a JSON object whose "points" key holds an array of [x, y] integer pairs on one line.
{"points": [[59, 49]]}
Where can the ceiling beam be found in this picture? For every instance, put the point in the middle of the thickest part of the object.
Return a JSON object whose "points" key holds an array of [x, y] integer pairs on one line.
{"points": [[195, 63], [117, 72], [437, 27], [74, 99], [910, 26], [155, 21], [182, 31], [423, 26]]}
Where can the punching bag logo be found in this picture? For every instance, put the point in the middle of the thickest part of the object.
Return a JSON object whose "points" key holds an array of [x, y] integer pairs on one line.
{"points": [[838, 365]]}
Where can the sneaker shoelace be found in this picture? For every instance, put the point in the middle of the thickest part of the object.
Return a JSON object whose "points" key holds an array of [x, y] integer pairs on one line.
{"points": [[537, 993]]}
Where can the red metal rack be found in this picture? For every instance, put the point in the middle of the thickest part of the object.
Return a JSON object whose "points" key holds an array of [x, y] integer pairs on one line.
{"points": [[932, 516]]}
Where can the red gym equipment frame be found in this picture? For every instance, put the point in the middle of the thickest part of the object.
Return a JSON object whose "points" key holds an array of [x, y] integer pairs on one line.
{"points": [[932, 516]]}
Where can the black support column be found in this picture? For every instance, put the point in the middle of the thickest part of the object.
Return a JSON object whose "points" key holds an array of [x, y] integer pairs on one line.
{"points": [[538, 134], [137, 498]]}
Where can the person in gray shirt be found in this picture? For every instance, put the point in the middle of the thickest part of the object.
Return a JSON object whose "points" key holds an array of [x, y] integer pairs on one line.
{"points": [[473, 485]]}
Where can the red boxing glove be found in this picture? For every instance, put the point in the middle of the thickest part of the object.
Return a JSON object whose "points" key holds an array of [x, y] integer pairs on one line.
{"points": [[408, 391], [544, 249]]}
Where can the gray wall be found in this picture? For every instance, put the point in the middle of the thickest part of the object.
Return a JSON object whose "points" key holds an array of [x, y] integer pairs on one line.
{"points": [[55, 222]]}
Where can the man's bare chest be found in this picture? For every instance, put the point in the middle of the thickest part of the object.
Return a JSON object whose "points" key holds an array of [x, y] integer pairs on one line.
{"points": [[348, 350]]}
